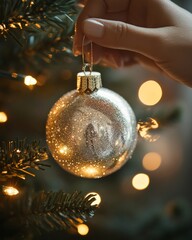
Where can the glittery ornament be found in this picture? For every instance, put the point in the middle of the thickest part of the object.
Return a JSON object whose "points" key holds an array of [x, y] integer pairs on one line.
{"points": [[91, 131]]}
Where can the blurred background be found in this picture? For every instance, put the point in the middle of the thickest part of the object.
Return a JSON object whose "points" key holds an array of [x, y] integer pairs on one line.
{"points": [[150, 196]]}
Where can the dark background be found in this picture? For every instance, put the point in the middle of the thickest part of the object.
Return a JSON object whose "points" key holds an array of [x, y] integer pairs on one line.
{"points": [[161, 211]]}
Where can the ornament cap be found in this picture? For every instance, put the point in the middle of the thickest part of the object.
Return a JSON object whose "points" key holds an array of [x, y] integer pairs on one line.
{"points": [[88, 82]]}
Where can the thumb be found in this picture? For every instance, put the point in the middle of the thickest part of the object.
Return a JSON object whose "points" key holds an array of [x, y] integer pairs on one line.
{"points": [[120, 35]]}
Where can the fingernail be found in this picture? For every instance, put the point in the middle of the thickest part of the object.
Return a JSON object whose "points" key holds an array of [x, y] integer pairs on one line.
{"points": [[93, 28]]}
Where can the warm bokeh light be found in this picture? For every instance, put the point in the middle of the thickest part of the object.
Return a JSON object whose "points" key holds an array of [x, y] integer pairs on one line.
{"points": [[97, 197], [82, 229], [3, 117], [150, 93], [140, 181], [30, 81], [152, 161], [10, 191]]}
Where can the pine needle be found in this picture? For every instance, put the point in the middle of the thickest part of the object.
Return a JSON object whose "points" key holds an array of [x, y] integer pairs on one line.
{"points": [[47, 211], [17, 156]]}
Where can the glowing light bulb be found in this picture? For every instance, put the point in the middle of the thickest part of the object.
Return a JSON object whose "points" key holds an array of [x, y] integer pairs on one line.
{"points": [[30, 81], [3, 117], [150, 93], [152, 161], [97, 197], [140, 181], [82, 229], [10, 191]]}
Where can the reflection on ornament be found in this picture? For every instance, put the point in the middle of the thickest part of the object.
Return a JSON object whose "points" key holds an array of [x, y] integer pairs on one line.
{"points": [[89, 171], [64, 150], [91, 131]]}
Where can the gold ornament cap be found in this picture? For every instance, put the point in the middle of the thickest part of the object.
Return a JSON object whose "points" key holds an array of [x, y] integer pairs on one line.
{"points": [[88, 82]]}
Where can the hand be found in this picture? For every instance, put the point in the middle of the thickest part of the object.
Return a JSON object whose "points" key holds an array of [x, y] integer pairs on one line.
{"points": [[156, 33]]}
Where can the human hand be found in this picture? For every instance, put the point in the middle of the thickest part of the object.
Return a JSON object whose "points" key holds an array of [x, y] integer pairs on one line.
{"points": [[155, 33]]}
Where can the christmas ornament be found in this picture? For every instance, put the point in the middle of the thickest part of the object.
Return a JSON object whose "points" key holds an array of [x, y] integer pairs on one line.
{"points": [[91, 131]]}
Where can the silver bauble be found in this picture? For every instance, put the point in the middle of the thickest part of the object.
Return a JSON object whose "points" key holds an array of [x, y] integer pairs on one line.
{"points": [[91, 132]]}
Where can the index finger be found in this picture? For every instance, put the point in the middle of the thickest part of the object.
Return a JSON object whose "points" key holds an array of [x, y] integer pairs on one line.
{"points": [[92, 9], [95, 9]]}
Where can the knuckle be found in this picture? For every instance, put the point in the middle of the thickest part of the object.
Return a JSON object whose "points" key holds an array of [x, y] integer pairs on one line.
{"points": [[121, 30], [121, 34]]}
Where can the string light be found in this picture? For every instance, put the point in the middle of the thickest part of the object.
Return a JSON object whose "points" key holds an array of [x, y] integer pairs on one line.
{"points": [[150, 93], [10, 191], [27, 79], [151, 161], [82, 229], [140, 181], [90, 171], [3, 117], [97, 197], [30, 81]]}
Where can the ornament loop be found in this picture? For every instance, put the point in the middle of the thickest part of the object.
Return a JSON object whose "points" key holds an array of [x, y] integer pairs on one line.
{"points": [[85, 64]]}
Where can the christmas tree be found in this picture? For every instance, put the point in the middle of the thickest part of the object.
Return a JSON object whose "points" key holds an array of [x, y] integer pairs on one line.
{"points": [[28, 26], [148, 198]]}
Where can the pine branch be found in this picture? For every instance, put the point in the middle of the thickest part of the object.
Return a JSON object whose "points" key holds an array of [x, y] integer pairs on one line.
{"points": [[36, 17], [17, 156], [59, 210], [42, 27], [48, 211]]}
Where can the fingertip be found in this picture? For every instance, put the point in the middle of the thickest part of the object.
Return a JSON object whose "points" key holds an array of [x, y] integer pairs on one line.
{"points": [[93, 28], [77, 42], [76, 53]]}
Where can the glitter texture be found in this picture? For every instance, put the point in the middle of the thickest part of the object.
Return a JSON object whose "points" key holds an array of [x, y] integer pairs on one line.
{"points": [[91, 135]]}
